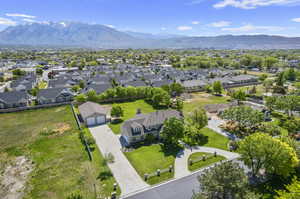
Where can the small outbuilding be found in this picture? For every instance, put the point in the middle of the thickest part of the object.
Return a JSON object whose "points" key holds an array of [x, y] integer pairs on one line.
{"points": [[93, 114]]}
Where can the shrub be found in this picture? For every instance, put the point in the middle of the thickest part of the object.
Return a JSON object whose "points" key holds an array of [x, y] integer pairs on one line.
{"points": [[75, 196], [109, 158], [150, 138], [90, 141], [104, 175]]}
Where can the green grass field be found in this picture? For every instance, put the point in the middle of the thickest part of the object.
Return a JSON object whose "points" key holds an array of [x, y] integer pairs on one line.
{"points": [[147, 159], [130, 109], [201, 164], [61, 164], [214, 139], [199, 100]]}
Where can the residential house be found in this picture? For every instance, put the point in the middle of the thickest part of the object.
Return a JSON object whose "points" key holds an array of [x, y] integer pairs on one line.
{"points": [[93, 114], [137, 83], [160, 83], [13, 99], [137, 128], [194, 85], [54, 95], [24, 83], [99, 88]]}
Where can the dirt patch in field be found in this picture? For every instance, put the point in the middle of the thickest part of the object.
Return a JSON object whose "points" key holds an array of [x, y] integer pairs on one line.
{"points": [[14, 177], [59, 109], [61, 128], [197, 96]]}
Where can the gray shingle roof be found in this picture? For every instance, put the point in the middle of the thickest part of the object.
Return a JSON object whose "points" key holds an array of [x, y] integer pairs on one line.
{"points": [[13, 97], [99, 88], [149, 120], [91, 108], [135, 83], [52, 93]]}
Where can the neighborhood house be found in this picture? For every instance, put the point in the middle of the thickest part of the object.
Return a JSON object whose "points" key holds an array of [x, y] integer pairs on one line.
{"points": [[93, 114], [13, 99], [136, 129]]}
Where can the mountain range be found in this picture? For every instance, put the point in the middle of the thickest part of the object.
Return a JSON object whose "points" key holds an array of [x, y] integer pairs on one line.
{"points": [[75, 34]]}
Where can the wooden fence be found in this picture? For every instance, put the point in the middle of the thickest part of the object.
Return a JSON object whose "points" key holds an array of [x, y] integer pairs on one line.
{"points": [[17, 109]]}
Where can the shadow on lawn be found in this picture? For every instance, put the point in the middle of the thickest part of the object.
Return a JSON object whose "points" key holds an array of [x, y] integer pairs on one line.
{"points": [[104, 175], [170, 150], [117, 121]]}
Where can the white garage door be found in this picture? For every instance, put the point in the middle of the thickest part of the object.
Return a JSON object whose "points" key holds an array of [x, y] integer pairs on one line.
{"points": [[91, 121], [100, 119]]}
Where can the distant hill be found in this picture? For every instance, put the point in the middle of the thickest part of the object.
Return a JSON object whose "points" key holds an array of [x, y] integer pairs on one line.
{"points": [[234, 42], [100, 36], [152, 36], [69, 34]]}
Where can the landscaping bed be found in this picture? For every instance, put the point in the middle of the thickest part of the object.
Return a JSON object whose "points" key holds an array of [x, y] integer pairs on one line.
{"points": [[200, 162]]}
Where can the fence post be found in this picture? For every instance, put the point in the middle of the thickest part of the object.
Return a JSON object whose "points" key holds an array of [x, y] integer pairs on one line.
{"points": [[158, 172], [170, 168], [113, 195]]}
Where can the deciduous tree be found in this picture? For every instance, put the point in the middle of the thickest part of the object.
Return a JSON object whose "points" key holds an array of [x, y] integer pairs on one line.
{"points": [[173, 131], [198, 118], [262, 152], [223, 181]]}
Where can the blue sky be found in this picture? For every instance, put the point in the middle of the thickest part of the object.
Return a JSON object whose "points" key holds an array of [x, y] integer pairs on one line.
{"points": [[188, 17]]}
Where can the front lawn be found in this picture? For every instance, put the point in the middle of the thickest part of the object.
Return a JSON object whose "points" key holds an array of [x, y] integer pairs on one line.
{"points": [[130, 109], [203, 163], [199, 100], [214, 139], [49, 137], [147, 159]]}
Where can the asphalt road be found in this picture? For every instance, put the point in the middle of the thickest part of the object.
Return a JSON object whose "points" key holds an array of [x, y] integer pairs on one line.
{"points": [[182, 188], [177, 189]]}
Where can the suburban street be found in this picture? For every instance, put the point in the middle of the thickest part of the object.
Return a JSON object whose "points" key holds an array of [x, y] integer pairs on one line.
{"points": [[182, 188], [126, 176]]}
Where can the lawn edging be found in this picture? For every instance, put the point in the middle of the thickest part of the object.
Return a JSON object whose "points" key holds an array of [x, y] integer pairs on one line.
{"points": [[204, 160]]}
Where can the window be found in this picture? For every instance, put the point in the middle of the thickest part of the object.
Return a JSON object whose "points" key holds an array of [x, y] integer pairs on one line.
{"points": [[136, 131]]}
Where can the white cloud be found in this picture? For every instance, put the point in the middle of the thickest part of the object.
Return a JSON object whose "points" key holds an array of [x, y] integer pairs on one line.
{"points": [[251, 4], [163, 28], [8, 22], [30, 20], [195, 22], [19, 15], [252, 28], [195, 2], [184, 28], [296, 20], [110, 26], [220, 24]]}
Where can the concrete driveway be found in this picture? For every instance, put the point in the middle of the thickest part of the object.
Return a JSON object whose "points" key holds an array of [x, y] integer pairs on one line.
{"points": [[181, 161], [126, 176], [214, 124]]}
